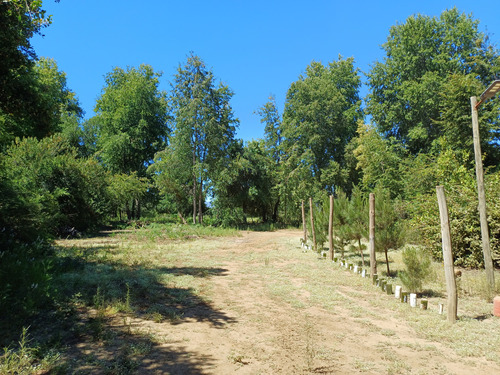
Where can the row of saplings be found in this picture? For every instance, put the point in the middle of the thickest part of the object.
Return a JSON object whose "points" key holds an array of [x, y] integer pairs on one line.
{"points": [[344, 223], [384, 283]]}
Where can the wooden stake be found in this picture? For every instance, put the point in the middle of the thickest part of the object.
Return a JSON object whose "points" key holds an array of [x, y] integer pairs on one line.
{"points": [[304, 225], [330, 229], [451, 286], [373, 259], [312, 223], [483, 218]]}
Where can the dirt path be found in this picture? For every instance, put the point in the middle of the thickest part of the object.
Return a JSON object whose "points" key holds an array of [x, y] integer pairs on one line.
{"points": [[262, 318]]}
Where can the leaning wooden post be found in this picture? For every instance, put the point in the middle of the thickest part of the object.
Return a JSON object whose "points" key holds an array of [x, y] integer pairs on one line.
{"points": [[330, 230], [451, 285], [373, 259], [304, 225], [312, 223], [483, 217]]}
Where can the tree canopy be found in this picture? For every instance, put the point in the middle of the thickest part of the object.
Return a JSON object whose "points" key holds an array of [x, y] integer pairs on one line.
{"points": [[132, 116], [409, 88]]}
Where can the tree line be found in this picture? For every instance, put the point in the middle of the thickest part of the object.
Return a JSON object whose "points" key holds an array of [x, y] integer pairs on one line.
{"points": [[147, 152]]}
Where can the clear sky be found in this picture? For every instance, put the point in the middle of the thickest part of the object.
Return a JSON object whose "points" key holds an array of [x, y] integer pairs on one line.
{"points": [[256, 47]]}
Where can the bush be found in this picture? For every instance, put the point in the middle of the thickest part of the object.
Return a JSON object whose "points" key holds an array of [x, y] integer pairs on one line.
{"points": [[59, 190], [461, 197], [418, 268], [25, 276]]}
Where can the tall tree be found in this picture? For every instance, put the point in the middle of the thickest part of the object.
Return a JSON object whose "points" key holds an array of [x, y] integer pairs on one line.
{"points": [[57, 104], [271, 119], [379, 160], [320, 118], [204, 126], [132, 116], [421, 54]]}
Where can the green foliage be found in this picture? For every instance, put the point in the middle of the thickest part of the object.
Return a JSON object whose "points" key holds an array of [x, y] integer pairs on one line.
{"points": [[341, 224], [448, 169], [421, 56], [20, 21], [26, 359], [227, 217], [389, 225], [357, 217], [273, 127], [320, 118], [25, 275], [418, 268], [125, 191], [204, 129], [132, 117], [62, 190], [379, 159], [321, 213], [249, 182]]}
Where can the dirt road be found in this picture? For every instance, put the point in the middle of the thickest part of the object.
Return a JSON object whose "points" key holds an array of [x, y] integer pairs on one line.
{"points": [[269, 308]]}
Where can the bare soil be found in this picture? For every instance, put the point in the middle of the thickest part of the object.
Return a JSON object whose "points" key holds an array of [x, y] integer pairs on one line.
{"points": [[258, 316]]}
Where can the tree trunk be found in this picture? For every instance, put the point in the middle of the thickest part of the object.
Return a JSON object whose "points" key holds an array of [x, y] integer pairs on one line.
{"points": [[138, 206], [200, 212], [330, 230], [312, 224], [194, 199], [182, 218], [275, 211], [373, 258], [304, 225], [387, 262]]}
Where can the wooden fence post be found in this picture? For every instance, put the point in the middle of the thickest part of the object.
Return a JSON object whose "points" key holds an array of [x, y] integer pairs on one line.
{"points": [[330, 230], [304, 225], [373, 259], [483, 217], [451, 285], [312, 224]]}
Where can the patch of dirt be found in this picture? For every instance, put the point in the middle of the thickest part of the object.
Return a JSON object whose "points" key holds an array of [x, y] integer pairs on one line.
{"points": [[247, 330]]}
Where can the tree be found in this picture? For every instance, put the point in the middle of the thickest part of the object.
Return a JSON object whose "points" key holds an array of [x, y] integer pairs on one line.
{"points": [[421, 54], [204, 127], [341, 221], [379, 160], [57, 104], [417, 268], [320, 118], [172, 178], [455, 119], [389, 229], [271, 118], [357, 218], [132, 116], [31, 92]]}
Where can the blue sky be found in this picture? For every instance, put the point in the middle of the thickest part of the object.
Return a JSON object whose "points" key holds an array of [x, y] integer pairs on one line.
{"points": [[257, 48]]}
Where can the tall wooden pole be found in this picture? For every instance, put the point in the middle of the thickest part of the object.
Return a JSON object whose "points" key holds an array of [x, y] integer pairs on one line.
{"points": [[373, 259], [330, 230], [451, 285], [312, 223], [304, 225], [483, 218]]}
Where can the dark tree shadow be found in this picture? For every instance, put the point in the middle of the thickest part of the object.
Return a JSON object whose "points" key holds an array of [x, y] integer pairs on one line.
{"points": [[86, 283]]}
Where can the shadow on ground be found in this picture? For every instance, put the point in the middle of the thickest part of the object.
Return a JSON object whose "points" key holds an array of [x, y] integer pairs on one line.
{"points": [[94, 301]]}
